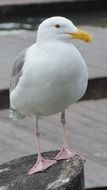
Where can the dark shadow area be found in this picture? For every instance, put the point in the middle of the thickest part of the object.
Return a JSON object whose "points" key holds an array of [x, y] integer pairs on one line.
{"points": [[97, 89], [48, 9]]}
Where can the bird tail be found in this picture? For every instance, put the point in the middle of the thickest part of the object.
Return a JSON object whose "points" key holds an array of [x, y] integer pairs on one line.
{"points": [[15, 115]]}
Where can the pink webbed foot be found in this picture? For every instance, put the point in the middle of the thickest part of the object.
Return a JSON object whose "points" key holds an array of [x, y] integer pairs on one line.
{"points": [[65, 153], [41, 165]]}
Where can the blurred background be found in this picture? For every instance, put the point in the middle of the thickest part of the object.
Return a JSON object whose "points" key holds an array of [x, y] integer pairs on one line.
{"points": [[87, 119]]}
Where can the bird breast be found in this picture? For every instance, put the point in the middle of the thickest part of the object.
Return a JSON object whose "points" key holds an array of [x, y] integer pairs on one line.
{"points": [[56, 79]]}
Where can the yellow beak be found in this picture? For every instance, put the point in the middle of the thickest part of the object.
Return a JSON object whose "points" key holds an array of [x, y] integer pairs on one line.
{"points": [[82, 35]]}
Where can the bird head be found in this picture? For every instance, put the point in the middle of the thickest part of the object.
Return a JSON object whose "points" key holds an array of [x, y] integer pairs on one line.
{"points": [[61, 28]]}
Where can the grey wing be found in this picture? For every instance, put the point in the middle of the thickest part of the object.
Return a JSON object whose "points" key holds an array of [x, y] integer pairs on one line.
{"points": [[17, 70], [16, 74]]}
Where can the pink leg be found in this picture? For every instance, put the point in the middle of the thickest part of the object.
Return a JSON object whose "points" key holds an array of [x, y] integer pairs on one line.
{"points": [[41, 164], [65, 152]]}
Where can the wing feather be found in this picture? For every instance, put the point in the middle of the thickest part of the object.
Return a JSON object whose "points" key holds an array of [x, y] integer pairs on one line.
{"points": [[17, 70], [16, 74]]}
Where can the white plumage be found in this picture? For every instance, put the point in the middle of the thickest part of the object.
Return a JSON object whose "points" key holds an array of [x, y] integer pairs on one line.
{"points": [[52, 73]]}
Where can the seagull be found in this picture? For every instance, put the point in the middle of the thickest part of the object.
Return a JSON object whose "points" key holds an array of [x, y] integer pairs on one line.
{"points": [[47, 78]]}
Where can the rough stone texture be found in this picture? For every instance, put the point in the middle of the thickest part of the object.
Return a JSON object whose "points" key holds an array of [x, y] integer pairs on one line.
{"points": [[65, 175]]}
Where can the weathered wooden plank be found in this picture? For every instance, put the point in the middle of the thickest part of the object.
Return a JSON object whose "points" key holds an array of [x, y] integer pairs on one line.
{"points": [[64, 175]]}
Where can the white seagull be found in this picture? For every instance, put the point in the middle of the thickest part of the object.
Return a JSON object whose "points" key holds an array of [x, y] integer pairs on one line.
{"points": [[48, 77]]}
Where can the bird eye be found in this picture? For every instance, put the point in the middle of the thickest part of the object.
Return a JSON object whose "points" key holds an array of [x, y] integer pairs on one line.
{"points": [[57, 26]]}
